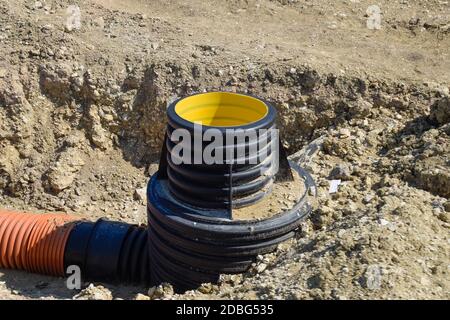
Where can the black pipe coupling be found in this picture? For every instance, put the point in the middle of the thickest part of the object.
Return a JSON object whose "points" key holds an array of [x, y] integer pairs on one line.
{"points": [[109, 251]]}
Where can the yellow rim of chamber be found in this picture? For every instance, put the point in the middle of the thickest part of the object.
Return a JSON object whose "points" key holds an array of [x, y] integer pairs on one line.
{"points": [[221, 109]]}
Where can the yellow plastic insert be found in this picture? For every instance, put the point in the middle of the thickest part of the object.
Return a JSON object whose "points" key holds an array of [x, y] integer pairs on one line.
{"points": [[221, 109]]}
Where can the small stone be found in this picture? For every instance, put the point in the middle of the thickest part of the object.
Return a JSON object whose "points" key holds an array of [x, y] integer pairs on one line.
{"points": [[443, 90], [94, 293], [47, 27], [392, 227], [34, 52], [341, 171], [236, 279], [140, 194], [141, 296], [447, 206], [164, 290], [444, 216], [206, 288], [63, 173], [38, 5], [108, 117], [344, 133], [341, 233], [367, 198], [261, 267], [332, 25], [2, 73], [440, 111], [99, 22], [99, 137], [398, 104]]}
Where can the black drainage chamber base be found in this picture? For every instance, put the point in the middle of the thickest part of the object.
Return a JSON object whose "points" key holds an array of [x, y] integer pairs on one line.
{"points": [[190, 246]]}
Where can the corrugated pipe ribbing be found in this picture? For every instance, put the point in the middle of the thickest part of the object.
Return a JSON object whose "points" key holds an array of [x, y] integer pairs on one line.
{"points": [[34, 242], [50, 243]]}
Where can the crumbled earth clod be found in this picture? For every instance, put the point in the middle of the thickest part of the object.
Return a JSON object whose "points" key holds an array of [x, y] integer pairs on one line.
{"points": [[93, 292]]}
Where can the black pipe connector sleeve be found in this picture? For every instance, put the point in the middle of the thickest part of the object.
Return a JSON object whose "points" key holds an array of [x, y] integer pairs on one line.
{"points": [[109, 251], [190, 246], [77, 244], [105, 244]]}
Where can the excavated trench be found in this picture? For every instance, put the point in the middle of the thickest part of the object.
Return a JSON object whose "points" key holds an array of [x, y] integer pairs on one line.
{"points": [[83, 112]]}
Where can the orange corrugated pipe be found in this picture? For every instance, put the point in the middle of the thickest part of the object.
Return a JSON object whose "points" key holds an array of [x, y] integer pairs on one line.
{"points": [[34, 242]]}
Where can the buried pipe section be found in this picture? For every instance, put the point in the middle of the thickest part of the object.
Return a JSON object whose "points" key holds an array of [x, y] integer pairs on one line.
{"points": [[221, 169]]}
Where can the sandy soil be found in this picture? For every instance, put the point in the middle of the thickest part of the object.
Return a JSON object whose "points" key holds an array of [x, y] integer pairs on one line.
{"points": [[82, 119]]}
